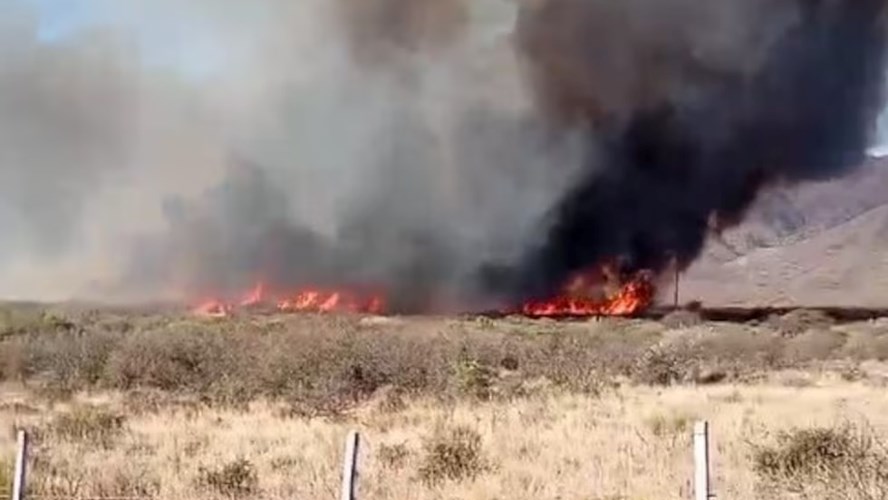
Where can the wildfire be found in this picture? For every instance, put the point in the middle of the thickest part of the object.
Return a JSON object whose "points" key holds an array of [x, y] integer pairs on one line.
{"points": [[597, 293], [332, 301], [632, 297], [306, 300]]}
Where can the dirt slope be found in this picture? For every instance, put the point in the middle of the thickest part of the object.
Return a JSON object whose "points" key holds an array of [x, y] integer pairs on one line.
{"points": [[819, 244]]}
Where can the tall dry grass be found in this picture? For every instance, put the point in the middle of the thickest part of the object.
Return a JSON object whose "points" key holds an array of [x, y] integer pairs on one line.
{"points": [[632, 442]]}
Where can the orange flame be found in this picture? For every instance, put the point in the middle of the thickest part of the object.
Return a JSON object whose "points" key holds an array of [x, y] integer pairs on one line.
{"points": [[627, 298], [212, 309], [633, 297], [307, 300], [255, 297], [332, 301]]}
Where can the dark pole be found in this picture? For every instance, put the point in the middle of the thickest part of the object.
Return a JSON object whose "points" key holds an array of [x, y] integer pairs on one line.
{"points": [[675, 297]]}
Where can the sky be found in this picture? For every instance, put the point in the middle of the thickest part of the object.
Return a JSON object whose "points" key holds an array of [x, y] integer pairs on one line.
{"points": [[191, 44], [187, 43]]}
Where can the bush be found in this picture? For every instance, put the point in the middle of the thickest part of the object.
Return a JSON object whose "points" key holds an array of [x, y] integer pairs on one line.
{"points": [[669, 425], [799, 321], [326, 364], [6, 473], [127, 483], [235, 479], [682, 318], [474, 379], [664, 364], [393, 456], [814, 345], [87, 424], [453, 454], [866, 345], [824, 460], [24, 319]]}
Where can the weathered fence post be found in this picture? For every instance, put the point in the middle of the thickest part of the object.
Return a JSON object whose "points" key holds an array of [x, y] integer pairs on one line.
{"points": [[350, 466], [21, 463], [701, 461]]}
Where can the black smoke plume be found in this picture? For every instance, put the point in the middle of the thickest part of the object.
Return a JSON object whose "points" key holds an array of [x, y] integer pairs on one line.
{"points": [[694, 107]]}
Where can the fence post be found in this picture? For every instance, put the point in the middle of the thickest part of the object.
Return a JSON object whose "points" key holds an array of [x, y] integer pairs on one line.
{"points": [[21, 463], [701, 461], [350, 466]]}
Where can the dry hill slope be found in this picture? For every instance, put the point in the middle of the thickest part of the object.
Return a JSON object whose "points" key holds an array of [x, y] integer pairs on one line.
{"points": [[820, 244]]}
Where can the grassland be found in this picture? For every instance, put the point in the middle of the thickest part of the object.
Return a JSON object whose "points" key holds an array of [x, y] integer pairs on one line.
{"points": [[171, 407]]}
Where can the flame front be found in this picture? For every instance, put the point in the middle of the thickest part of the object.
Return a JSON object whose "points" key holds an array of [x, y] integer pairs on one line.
{"points": [[332, 301], [305, 300], [596, 293], [632, 297]]}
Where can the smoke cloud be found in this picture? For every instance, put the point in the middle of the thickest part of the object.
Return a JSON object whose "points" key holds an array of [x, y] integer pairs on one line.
{"points": [[454, 153], [696, 106]]}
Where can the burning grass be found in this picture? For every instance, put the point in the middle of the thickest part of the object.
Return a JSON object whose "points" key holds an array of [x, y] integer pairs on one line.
{"points": [[600, 291], [256, 406]]}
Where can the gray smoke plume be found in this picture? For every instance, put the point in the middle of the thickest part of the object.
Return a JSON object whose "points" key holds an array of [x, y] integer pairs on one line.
{"points": [[382, 143], [450, 152]]}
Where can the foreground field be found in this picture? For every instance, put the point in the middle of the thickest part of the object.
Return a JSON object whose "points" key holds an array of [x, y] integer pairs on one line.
{"points": [[170, 407]]}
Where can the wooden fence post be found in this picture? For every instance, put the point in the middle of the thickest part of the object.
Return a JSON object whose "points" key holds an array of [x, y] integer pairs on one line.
{"points": [[21, 465], [350, 466], [701, 461]]}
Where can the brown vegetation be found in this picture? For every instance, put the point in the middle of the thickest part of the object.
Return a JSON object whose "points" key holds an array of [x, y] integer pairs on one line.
{"points": [[257, 406]]}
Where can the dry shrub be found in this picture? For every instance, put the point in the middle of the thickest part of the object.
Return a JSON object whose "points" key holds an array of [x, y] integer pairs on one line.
{"points": [[452, 453], [665, 364], [579, 362], [842, 462], [474, 379], [866, 345], [61, 476], [67, 361], [389, 400], [739, 348], [326, 364], [682, 318], [6, 473], [799, 321], [23, 319], [180, 359], [669, 425], [235, 479], [12, 360], [814, 345], [137, 483], [88, 425], [393, 456]]}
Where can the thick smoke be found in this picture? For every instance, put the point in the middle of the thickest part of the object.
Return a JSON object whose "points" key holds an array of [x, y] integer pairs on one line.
{"points": [[452, 152], [696, 106], [382, 143], [410, 160]]}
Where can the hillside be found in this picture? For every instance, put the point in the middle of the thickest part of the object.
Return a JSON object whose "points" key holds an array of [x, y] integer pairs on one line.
{"points": [[818, 244]]}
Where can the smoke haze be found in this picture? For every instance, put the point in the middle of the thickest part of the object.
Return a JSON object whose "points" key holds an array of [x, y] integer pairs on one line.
{"points": [[448, 151]]}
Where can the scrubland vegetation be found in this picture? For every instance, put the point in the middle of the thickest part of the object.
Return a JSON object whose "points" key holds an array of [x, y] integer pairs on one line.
{"points": [[163, 405]]}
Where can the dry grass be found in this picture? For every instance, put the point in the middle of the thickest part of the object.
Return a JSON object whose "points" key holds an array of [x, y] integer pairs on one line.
{"points": [[633, 442], [172, 407]]}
